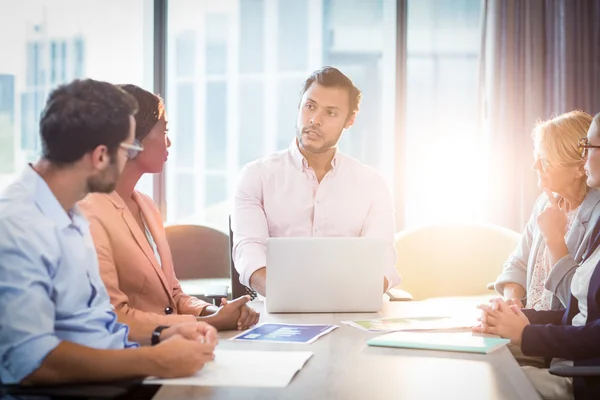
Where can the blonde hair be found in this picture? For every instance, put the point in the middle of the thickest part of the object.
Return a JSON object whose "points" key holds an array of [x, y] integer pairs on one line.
{"points": [[559, 137]]}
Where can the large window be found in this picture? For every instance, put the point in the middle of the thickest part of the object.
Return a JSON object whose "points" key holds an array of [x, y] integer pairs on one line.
{"points": [[48, 42], [235, 70], [234, 73], [445, 167]]}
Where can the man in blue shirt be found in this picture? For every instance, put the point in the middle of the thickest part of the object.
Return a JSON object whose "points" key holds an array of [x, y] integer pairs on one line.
{"points": [[57, 324]]}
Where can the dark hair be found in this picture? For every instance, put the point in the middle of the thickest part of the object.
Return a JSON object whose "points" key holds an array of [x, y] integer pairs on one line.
{"points": [[83, 115], [333, 77], [151, 109]]}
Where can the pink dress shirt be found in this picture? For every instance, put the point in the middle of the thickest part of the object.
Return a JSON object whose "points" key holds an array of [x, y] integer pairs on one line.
{"points": [[279, 196]]}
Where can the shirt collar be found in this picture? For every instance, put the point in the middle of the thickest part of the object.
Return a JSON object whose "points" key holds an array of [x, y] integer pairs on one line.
{"points": [[299, 160], [48, 203]]}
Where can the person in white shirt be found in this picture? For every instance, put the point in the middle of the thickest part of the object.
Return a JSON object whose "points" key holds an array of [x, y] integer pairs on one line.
{"points": [[312, 188]]}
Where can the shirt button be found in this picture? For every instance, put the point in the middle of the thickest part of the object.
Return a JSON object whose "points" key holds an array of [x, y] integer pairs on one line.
{"points": [[168, 310]]}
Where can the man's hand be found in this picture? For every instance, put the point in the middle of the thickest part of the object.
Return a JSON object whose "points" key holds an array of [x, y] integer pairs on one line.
{"points": [[200, 331], [180, 357], [248, 317], [503, 320]]}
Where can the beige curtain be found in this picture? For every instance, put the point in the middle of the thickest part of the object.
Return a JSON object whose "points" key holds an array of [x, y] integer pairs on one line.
{"points": [[538, 58]]}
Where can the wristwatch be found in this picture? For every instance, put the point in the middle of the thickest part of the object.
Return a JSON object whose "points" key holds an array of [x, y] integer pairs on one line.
{"points": [[156, 334]]}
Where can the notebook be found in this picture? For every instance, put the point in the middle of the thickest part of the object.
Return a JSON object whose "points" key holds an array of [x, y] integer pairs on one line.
{"points": [[465, 342]]}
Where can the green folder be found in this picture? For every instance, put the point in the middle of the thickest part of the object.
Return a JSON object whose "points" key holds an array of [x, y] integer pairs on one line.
{"points": [[466, 342]]}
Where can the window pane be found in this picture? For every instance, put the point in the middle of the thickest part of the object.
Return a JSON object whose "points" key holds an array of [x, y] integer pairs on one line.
{"points": [[218, 190], [7, 121], [251, 35], [216, 125], [216, 43], [183, 133], [442, 149], [185, 50], [251, 117], [186, 196], [216, 213], [293, 36], [55, 41], [30, 114], [288, 98]]}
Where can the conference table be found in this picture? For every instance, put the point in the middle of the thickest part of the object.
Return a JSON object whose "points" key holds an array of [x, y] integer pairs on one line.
{"points": [[344, 367]]}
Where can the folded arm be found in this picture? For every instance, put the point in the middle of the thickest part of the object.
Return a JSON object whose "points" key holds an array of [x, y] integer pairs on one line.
{"points": [[562, 341], [544, 317]]}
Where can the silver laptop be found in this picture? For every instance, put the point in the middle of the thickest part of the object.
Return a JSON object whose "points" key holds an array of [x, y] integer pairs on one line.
{"points": [[325, 274]]}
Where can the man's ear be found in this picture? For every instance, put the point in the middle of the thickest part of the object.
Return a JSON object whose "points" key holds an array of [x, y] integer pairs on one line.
{"points": [[99, 158], [350, 120]]}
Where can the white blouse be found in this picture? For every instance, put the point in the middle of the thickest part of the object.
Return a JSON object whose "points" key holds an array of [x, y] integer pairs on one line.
{"points": [[151, 239]]}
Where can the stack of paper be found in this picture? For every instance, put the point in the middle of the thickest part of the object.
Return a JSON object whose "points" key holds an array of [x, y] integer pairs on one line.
{"points": [[244, 368]]}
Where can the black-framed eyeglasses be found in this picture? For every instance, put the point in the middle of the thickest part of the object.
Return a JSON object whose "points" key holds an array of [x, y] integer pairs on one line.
{"points": [[132, 150], [584, 146]]}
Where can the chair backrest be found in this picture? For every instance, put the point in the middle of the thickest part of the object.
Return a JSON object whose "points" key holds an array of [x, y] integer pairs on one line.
{"points": [[199, 252], [237, 289], [452, 260]]}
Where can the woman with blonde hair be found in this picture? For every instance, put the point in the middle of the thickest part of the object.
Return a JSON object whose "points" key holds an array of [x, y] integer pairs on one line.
{"points": [[538, 273], [568, 337]]}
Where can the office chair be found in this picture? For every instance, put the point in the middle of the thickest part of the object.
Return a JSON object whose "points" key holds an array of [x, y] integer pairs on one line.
{"points": [[586, 380], [199, 252], [452, 260]]}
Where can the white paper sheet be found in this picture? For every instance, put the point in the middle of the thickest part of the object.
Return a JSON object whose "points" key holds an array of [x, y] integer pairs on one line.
{"points": [[244, 368], [412, 324]]}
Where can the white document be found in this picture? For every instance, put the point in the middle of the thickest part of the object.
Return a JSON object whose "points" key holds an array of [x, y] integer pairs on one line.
{"points": [[244, 368], [412, 324]]}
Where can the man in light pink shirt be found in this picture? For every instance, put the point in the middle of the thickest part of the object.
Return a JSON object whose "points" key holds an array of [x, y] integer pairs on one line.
{"points": [[312, 189]]}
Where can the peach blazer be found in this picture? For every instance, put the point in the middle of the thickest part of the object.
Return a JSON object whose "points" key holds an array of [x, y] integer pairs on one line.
{"points": [[137, 284]]}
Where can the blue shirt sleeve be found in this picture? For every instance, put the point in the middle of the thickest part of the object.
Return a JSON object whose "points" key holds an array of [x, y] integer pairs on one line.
{"points": [[26, 306]]}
